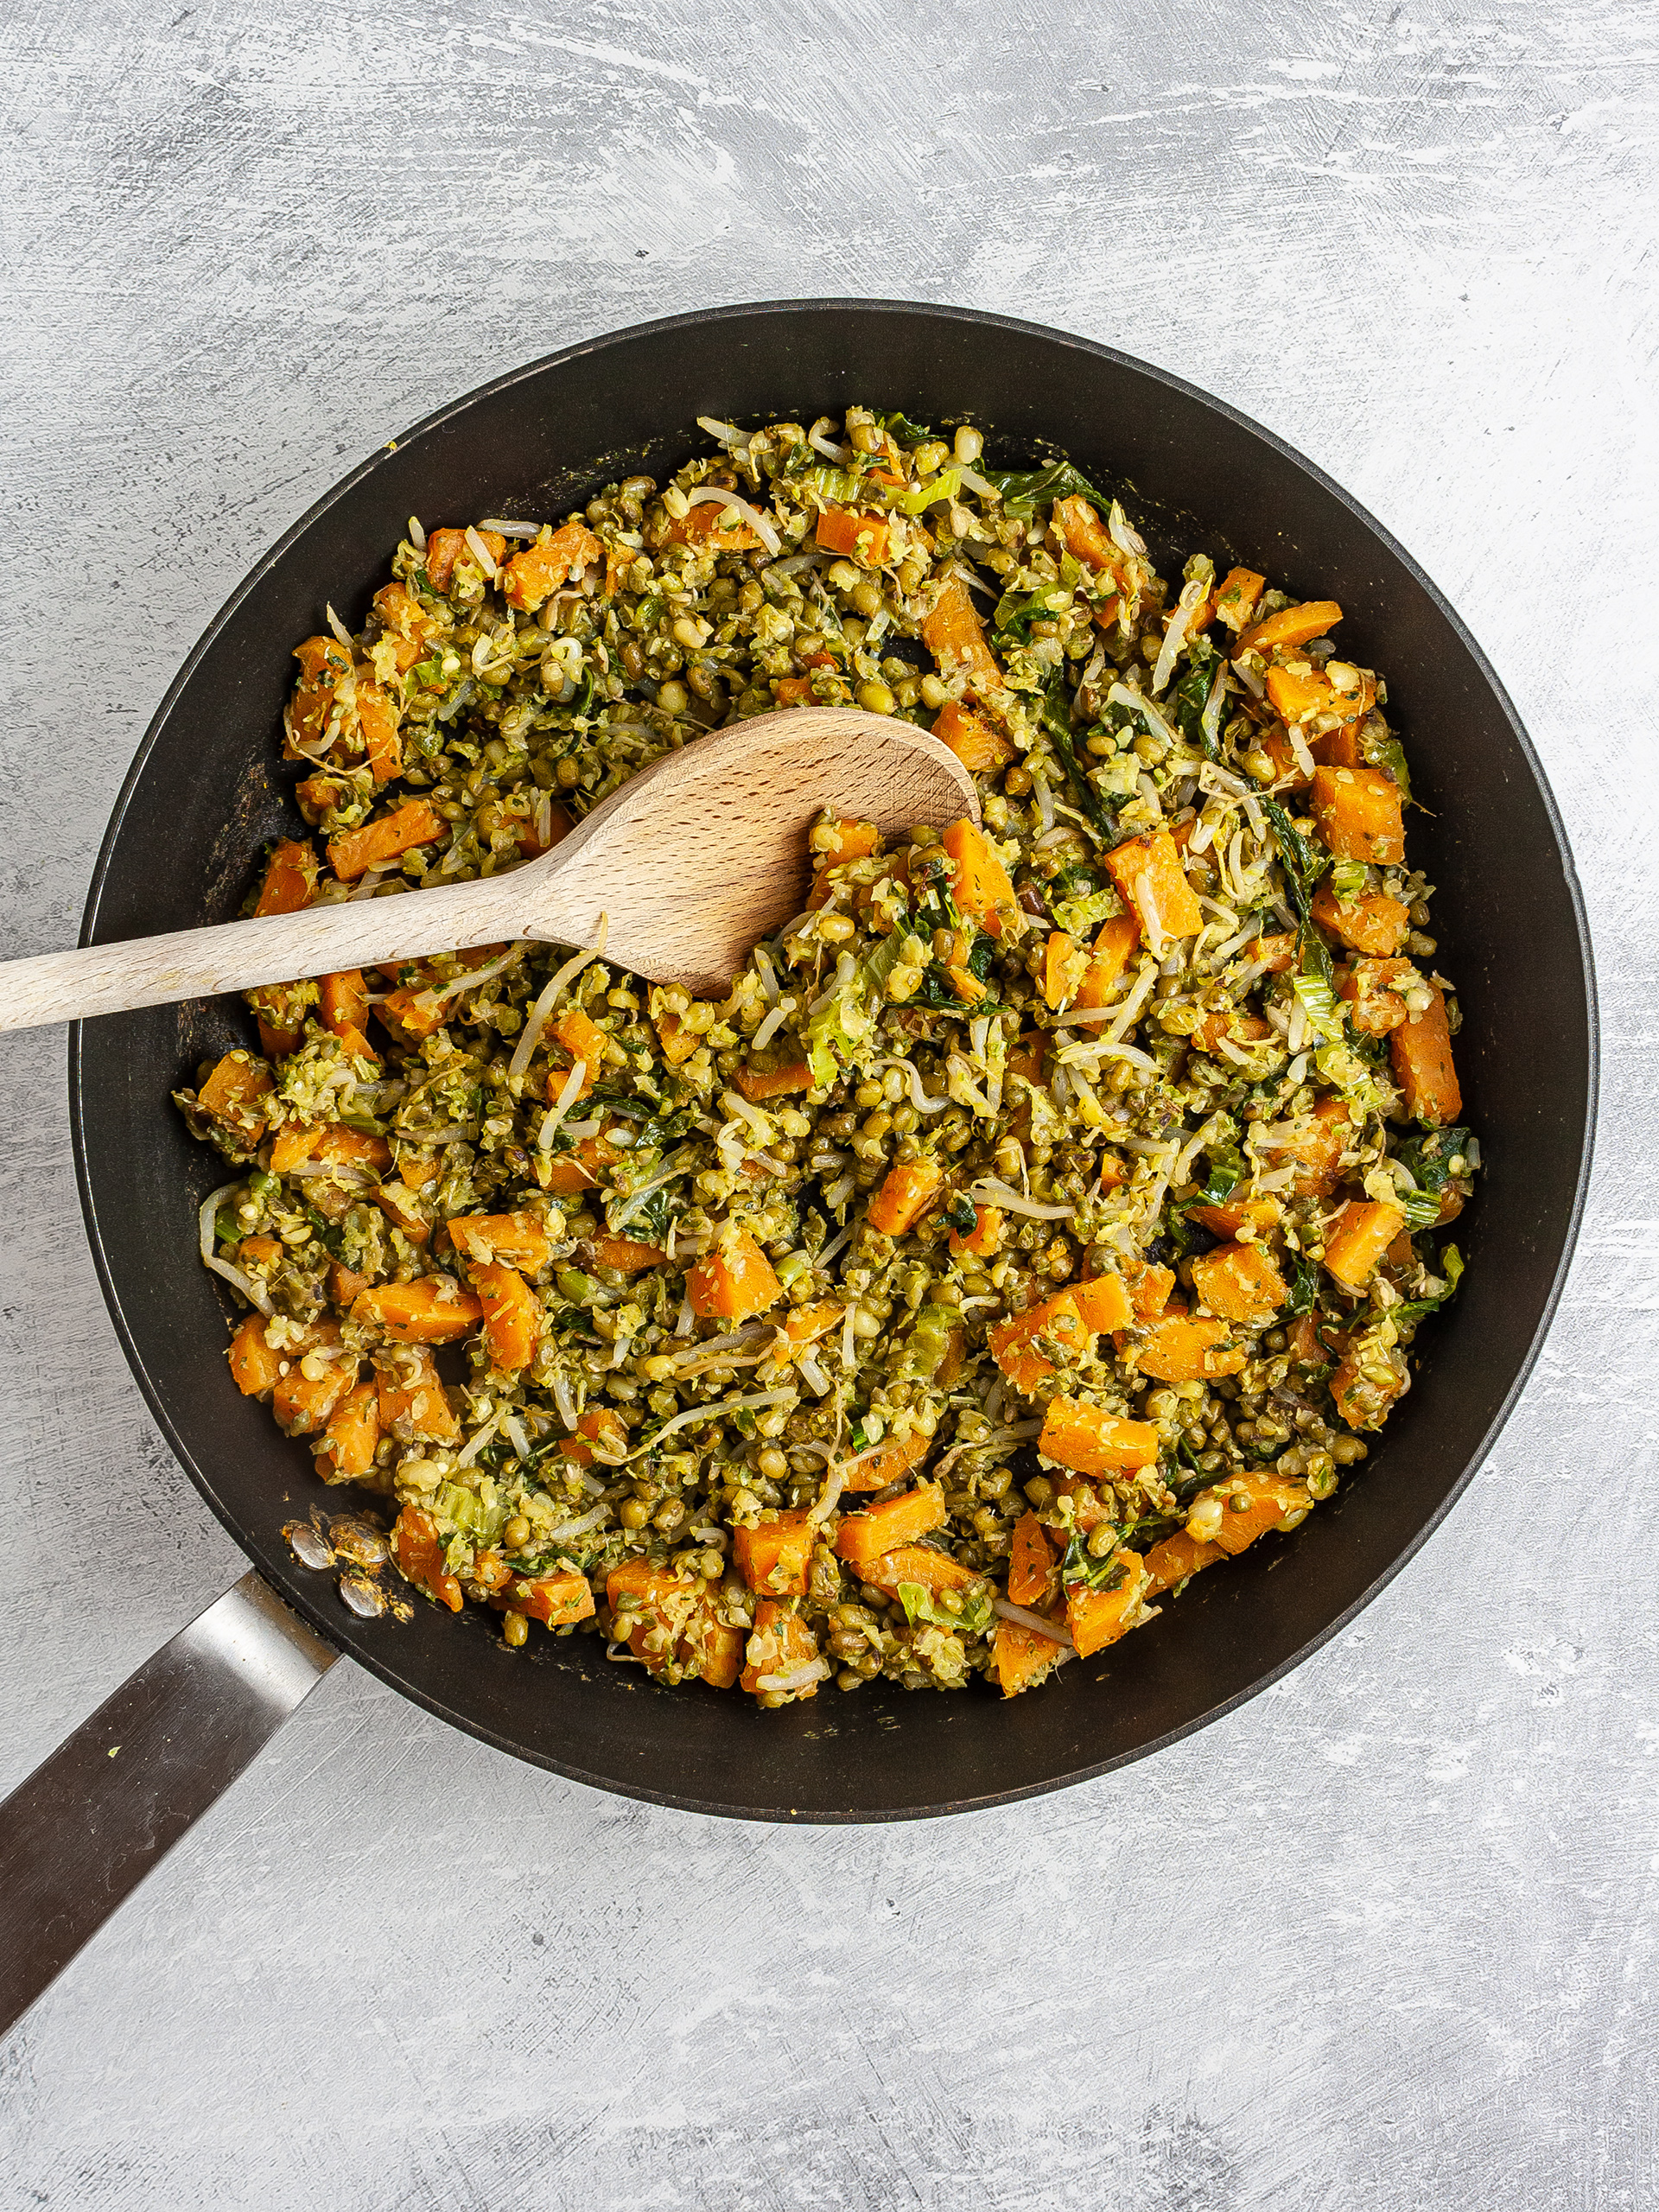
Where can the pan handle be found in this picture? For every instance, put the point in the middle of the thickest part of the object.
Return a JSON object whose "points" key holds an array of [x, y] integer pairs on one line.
{"points": [[87, 1825]]}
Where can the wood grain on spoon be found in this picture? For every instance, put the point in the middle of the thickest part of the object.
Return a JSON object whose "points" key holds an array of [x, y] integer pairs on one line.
{"points": [[693, 861]]}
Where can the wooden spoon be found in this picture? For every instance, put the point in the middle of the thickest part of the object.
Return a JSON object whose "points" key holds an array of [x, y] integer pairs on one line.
{"points": [[693, 861]]}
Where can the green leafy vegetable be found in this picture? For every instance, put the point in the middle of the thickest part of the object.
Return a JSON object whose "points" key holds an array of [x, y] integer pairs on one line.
{"points": [[1304, 1285], [1026, 490], [1190, 695], [920, 1606], [1079, 1566], [1057, 721], [1302, 865], [1450, 1264]]}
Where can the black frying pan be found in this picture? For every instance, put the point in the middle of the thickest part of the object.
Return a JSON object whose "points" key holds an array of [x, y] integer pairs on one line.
{"points": [[206, 792]]}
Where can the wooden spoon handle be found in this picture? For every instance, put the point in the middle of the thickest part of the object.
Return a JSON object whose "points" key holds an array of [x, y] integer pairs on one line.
{"points": [[269, 949]]}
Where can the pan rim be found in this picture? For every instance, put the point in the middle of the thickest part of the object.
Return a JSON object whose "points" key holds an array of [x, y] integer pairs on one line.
{"points": [[324, 1622]]}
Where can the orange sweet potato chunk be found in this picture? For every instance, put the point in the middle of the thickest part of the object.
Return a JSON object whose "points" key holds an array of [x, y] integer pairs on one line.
{"points": [[512, 1315], [1151, 881], [1176, 1559], [734, 1280], [418, 1551], [290, 878], [1372, 923], [1358, 814], [1082, 1437], [982, 886], [417, 821], [956, 638], [1358, 1237], [905, 1196], [774, 1556], [429, 1312], [1240, 1282], [1420, 1050], [1097, 1618], [863, 1538], [1180, 1349], [978, 744]]}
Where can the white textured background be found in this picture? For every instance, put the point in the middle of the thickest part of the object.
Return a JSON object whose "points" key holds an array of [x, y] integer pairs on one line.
{"points": [[1385, 1939]]}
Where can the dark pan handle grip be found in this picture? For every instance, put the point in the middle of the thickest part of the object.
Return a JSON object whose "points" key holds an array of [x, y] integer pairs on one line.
{"points": [[87, 1825]]}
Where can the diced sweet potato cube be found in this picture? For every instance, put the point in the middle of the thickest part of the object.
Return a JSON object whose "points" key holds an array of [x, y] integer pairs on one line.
{"points": [[413, 1406], [866, 1536], [433, 1311], [734, 1280], [1240, 1282], [303, 1403], [1371, 923], [1080, 1436], [1087, 538], [984, 1238], [1366, 984], [235, 1095], [1358, 814], [1103, 1303], [534, 574], [982, 886], [1236, 597], [1316, 1148], [1226, 1220], [1291, 626], [956, 638], [860, 537], [1178, 1349], [780, 1643], [774, 1556], [352, 1434], [1358, 1237], [905, 1196], [1022, 1657], [553, 1599], [377, 722], [1420, 1050], [1176, 1559], [723, 529], [711, 1647], [934, 1571], [1151, 881], [518, 1238], [1367, 1383], [757, 1083], [417, 821], [445, 547], [1097, 1618], [290, 878], [885, 1462], [255, 1368], [1017, 1344], [629, 1256], [977, 743], [419, 1552], [1149, 1288], [1032, 1565], [512, 1315], [1270, 1502]]}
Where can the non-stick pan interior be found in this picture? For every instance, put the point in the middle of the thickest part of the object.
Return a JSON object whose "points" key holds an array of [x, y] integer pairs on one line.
{"points": [[206, 792]]}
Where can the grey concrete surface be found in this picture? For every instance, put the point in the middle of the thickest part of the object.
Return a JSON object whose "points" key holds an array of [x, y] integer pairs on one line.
{"points": [[1384, 1939]]}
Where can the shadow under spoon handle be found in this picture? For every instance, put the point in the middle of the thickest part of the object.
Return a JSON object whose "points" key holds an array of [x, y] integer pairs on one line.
{"points": [[83, 1831], [268, 948]]}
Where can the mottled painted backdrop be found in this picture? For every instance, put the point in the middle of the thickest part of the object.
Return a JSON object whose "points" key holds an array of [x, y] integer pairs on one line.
{"points": [[1386, 1938]]}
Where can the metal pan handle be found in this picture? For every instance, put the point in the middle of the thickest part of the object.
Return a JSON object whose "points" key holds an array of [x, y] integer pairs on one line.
{"points": [[87, 1825]]}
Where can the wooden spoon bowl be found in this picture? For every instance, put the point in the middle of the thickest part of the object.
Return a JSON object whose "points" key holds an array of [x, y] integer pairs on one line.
{"points": [[692, 861]]}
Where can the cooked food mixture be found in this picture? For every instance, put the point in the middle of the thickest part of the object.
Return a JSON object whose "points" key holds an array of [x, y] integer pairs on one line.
{"points": [[1045, 1215]]}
